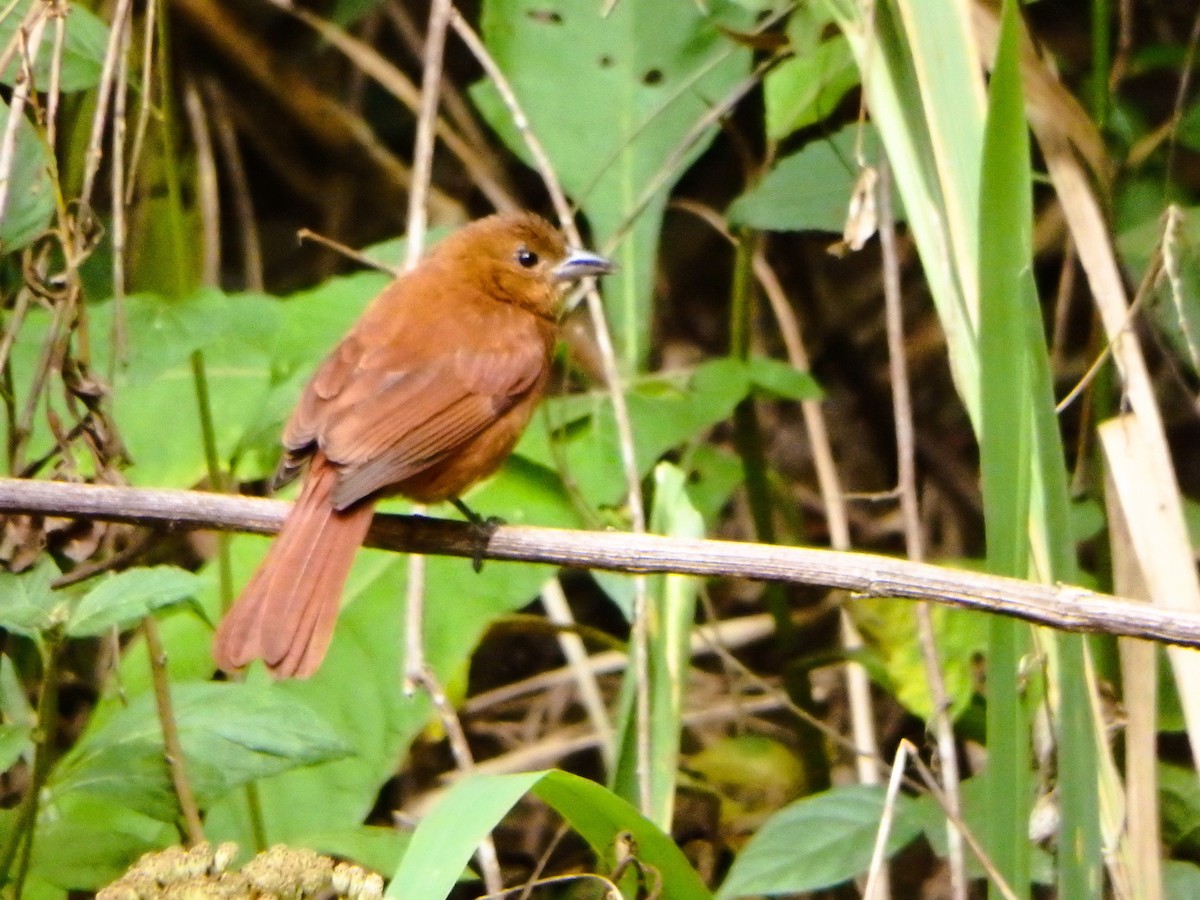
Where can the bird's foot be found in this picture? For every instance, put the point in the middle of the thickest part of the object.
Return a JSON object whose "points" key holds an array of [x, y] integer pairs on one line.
{"points": [[481, 531]]}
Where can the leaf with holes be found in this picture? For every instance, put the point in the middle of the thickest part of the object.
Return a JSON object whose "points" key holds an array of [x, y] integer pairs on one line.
{"points": [[615, 100]]}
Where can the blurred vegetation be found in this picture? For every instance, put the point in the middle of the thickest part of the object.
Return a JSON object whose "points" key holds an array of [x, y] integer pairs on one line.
{"points": [[159, 317]]}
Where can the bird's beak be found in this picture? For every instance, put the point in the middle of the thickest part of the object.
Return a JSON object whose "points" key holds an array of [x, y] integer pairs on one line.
{"points": [[580, 264]]}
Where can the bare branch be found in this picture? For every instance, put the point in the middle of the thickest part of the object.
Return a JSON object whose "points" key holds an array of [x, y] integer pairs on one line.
{"points": [[1059, 606]]}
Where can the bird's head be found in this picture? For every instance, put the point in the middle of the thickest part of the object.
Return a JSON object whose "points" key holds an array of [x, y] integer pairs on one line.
{"points": [[521, 258]]}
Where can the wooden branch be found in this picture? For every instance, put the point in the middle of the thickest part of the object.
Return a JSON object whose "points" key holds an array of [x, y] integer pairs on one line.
{"points": [[1059, 606]]}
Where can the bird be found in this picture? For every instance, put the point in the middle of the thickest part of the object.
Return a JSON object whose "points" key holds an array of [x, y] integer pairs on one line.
{"points": [[426, 395]]}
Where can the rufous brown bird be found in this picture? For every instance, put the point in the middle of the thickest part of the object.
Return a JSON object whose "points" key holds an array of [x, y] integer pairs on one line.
{"points": [[426, 395]]}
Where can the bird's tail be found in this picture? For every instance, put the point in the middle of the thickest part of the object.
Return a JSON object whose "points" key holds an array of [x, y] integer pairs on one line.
{"points": [[286, 614]]}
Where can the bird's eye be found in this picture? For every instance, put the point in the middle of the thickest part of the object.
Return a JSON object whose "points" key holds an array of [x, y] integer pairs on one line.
{"points": [[527, 258]]}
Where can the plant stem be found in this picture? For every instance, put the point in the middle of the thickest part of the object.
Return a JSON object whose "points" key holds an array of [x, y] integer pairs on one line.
{"points": [[21, 836]]}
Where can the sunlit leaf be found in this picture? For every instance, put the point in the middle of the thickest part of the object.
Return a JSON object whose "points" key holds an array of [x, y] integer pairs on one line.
{"points": [[128, 597]]}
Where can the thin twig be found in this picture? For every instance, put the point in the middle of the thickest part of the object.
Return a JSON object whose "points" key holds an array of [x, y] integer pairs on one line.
{"points": [[208, 197], [172, 748], [417, 671], [239, 183], [94, 153], [395, 82], [994, 874], [911, 517], [305, 234], [117, 173], [876, 887], [554, 600], [431, 78], [149, 82]]}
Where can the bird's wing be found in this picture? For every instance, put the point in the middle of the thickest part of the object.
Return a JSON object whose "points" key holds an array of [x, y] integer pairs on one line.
{"points": [[383, 421]]}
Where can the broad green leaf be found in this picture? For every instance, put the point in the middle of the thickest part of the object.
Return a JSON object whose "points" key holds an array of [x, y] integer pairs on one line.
{"points": [[84, 47], [611, 98], [809, 190], [445, 840], [128, 597], [17, 715], [713, 475], [818, 842], [231, 734], [30, 189]]}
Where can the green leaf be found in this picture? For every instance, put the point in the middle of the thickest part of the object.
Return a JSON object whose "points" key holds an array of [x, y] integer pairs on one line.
{"points": [[666, 410], [818, 842], [446, 838], [130, 596], [30, 189], [84, 48], [155, 393], [17, 714], [782, 380], [809, 190], [1179, 805], [83, 857], [230, 733], [14, 742], [611, 98], [372, 846], [889, 627], [27, 604], [806, 88], [1181, 880]]}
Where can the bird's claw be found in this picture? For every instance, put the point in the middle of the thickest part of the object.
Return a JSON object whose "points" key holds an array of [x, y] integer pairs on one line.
{"points": [[481, 531]]}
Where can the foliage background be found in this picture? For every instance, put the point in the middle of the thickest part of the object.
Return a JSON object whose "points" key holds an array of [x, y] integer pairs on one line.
{"points": [[160, 318]]}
